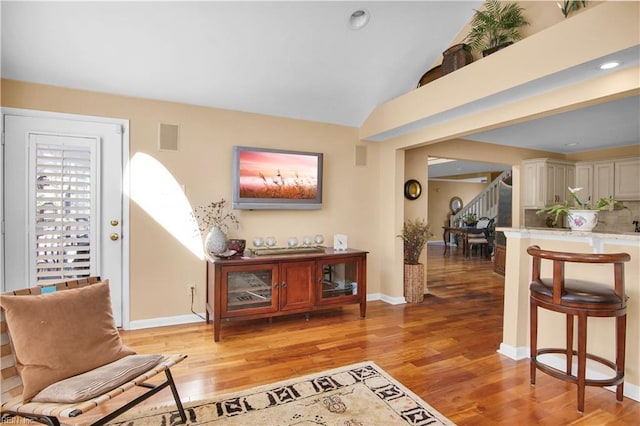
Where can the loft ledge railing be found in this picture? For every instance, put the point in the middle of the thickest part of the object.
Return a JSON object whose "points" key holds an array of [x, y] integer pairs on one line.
{"points": [[485, 204]]}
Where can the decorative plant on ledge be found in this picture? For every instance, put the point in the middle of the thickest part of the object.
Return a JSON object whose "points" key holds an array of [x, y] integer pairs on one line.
{"points": [[496, 26], [568, 6]]}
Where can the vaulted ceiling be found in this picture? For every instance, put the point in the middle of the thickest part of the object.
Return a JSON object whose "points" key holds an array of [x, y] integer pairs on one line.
{"points": [[293, 59]]}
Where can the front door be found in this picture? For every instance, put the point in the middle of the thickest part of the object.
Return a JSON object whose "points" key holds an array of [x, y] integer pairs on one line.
{"points": [[63, 202]]}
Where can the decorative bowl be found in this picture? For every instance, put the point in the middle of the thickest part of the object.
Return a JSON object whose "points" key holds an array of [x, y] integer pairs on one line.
{"points": [[227, 254], [238, 245]]}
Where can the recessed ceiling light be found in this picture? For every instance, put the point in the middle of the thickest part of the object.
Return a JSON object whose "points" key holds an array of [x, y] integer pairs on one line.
{"points": [[359, 19], [609, 65], [572, 144]]}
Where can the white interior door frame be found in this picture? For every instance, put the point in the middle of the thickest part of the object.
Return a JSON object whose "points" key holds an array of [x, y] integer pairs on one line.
{"points": [[125, 227]]}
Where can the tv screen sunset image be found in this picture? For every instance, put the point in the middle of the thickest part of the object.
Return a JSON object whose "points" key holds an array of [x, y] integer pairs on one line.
{"points": [[278, 175]]}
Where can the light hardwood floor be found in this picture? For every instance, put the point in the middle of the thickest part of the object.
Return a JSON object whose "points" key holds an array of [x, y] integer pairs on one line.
{"points": [[443, 349]]}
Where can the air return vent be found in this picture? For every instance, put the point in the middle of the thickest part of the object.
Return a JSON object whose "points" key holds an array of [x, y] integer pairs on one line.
{"points": [[168, 137], [361, 155]]}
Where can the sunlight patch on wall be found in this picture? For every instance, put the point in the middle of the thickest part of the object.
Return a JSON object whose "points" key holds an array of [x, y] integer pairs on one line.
{"points": [[157, 192]]}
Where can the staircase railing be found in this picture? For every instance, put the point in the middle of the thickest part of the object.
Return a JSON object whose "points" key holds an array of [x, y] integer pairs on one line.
{"points": [[485, 204]]}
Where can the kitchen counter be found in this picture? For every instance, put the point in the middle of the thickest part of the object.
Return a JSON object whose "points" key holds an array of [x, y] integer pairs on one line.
{"points": [[595, 239], [515, 335]]}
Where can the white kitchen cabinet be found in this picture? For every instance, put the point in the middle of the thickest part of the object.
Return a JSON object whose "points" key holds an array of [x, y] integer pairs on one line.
{"points": [[546, 181], [584, 180], [603, 179], [534, 180], [618, 178], [627, 179]]}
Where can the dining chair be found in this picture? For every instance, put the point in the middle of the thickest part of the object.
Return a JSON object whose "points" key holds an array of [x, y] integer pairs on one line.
{"points": [[483, 240]]}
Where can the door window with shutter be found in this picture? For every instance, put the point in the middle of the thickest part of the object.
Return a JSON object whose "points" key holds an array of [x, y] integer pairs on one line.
{"points": [[63, 202], [63, 187]]}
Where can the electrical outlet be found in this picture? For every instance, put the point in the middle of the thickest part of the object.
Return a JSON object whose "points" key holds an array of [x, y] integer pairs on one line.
{"points": [[191, 289]]}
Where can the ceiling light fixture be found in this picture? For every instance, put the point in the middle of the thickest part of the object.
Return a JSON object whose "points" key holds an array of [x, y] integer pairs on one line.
{"points": [[609, 65], [359, 19], [434, 160]]}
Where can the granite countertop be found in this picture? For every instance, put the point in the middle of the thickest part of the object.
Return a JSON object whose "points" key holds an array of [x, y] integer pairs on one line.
{"points": [[566, 232]]}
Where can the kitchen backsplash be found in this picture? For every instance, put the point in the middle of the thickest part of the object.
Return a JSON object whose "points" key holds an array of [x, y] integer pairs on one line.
{"points": [[615, 221]]}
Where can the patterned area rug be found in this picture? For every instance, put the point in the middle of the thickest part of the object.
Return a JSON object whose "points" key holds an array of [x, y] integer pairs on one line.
{"points": [[355, 395]]}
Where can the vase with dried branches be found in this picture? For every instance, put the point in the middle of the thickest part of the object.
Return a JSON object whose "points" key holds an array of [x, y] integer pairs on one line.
{"points": [[215, 219], [415, 234]]}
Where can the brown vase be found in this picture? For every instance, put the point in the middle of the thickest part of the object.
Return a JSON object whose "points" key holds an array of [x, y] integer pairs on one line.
{"points": [[456, 57], [414, 283]]}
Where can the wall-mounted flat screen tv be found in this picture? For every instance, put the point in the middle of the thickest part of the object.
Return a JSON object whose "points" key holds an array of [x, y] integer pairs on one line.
{"points": [[275, 179]]}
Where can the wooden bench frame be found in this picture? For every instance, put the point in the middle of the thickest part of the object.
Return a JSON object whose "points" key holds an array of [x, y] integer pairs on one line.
{"points": [[51, 413]]}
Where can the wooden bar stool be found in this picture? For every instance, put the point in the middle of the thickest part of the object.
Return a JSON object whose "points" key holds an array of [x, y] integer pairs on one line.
{"points": [[582, 299]]}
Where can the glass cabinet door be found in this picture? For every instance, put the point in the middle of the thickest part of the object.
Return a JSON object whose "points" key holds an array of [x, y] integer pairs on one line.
{"points": [[249, 290], [339, 280]]}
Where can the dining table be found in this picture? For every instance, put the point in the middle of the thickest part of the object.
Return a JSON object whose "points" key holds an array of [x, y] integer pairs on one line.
{"points": [[464, 231]]}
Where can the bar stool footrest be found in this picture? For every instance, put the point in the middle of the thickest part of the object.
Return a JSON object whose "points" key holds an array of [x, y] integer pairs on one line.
{"points": [[559, 374]]}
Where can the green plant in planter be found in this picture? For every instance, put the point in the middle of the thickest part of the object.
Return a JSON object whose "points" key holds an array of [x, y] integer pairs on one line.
{"points": [[496, 25], [602, 204], [470, 219], [569, 6], [415, 234]]}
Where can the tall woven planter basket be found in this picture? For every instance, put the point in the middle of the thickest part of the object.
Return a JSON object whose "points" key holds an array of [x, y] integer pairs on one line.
{"points": [[414, 283]]}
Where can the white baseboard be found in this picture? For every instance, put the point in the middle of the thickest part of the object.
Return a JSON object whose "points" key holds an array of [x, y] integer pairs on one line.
{"points": [[191, 318], [387, 299], [373, 296], [514, 353], [595, 370], [164, 321]]}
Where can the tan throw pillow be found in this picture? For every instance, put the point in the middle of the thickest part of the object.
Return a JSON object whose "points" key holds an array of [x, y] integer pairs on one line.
{"points": [[61, 334], [97, 381]]}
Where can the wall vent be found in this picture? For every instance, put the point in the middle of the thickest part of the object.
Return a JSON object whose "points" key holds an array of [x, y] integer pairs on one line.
{"points": [[361, 155], [168, 137]]}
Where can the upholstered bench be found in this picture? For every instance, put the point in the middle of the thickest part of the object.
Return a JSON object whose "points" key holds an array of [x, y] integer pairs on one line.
{"points": [[62, 355]]}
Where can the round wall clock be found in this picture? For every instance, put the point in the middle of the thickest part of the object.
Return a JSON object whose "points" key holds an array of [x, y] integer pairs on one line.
{"points": [[412, 189]]}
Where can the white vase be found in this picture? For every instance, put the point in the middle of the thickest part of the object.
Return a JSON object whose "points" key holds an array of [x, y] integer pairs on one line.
{"points": [[582, 220], [216, 241]]}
